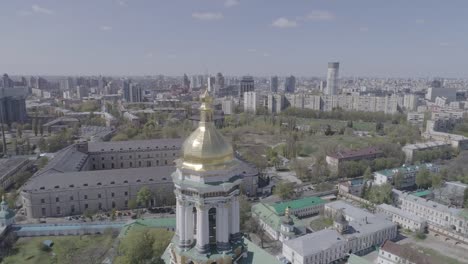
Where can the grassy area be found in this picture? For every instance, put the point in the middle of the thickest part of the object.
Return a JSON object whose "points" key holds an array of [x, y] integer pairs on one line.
{"points": [[436, 256], [312, 144], [321, 223], [66, 249]]}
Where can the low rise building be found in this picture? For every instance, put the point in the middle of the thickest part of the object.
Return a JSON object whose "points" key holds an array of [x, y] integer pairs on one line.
{"points": [[358, 236], [415, 119], [407, 175], [392, 253], [410, 150], [278, 227], [403, 219], [300, 207], [439, 215], [353, 186], [9, 170], [335, 160]]}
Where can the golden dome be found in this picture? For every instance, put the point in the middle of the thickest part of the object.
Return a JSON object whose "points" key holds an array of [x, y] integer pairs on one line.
{"points": [[206, 148]]}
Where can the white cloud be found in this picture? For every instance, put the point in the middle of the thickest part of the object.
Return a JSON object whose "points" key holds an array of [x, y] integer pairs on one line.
{"points": [[105, 28], [122, 3], [363, 29], [266, 54], [149, 54], [320, 15], [420, 21], [283, 22], [231, 3], [172, 56], [42, 10], [252, 50], [24, 13], [207, 16]]}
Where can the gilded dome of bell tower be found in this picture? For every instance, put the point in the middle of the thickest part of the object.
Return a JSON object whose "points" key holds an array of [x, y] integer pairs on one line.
{"points": [[206, 149]]}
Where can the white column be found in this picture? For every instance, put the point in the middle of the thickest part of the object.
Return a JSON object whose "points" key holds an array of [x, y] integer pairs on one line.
{"points": [[219, 223], [225, 224], [235, 216], [179, 218], [202, 229], [182, 233], [189, 224]]}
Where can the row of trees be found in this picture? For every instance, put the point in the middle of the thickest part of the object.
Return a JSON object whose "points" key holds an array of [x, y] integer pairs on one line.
{"points": [[340, 114], [435, 154]]}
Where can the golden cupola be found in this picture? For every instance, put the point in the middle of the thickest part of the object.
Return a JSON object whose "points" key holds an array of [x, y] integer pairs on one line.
{"points": [[206, 149]]}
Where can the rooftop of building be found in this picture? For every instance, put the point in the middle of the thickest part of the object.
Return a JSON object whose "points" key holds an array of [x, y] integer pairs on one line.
{"points": [[99, 178], [427, 203], [423, 193], [268, 215], [349, 210], [321, 240], [297, 204], [404, 169], [400, 212], [406, 253], [425, 145], [7, 165], [172, 143], [67, 159], [346, 154]]}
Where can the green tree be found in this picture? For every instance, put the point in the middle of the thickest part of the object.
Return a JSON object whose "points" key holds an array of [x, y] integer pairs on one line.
{"points": [[42, 162], [379, 194], [436, 181], [245, 208], [398, 180], [301, 169], [423, 178], [284, 190], [144, 196], [368, 174]]}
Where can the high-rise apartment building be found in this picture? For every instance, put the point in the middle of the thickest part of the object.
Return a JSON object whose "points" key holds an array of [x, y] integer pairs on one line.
{"points": [[132, 92], [290, 84], [247, 84], [250, 102], [332, 78], [274, 84], [13, 105]]}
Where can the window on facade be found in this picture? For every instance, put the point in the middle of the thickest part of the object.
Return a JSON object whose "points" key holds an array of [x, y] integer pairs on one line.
{"points": [[58, 210], [126, 203], [43, 211], [148, 163], [121, 164], [113, 204], [131, 164], [112, 165], [71, 198], [157, 163], [42, 200], [100, 206], [102, 158], [165, 162], [99, 195], [57, 199], [72, 209], [112, 194], [103, 166], [126, 193]]}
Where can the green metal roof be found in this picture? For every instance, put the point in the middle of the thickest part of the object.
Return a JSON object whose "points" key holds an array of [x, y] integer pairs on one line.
{"points": [[403, 169], [297, 204], [354, 259], [421, 193], [270, 217]]}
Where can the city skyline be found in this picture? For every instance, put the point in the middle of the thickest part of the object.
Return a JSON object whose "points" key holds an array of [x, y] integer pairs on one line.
{"points": [[258, 37]]}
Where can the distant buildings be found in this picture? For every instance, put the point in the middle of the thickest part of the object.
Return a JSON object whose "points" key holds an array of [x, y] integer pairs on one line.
{"points": [[353, 186], [290, 84], [13, 105], [332, 78], [410, 150], [247, 84], [132, 92], [274, 84], [276, 103], [228, 106], [250, 102]]}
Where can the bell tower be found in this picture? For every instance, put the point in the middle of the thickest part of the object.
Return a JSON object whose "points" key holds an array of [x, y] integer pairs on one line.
{"points": [[207, 188]]}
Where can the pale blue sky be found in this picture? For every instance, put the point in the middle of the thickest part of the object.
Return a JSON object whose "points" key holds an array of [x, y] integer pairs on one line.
{"points": [[421, 38]]}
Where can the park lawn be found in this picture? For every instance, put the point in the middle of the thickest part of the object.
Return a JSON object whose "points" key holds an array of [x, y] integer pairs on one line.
{"points": [[68, 249], [434, 255], [313, 143]]}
